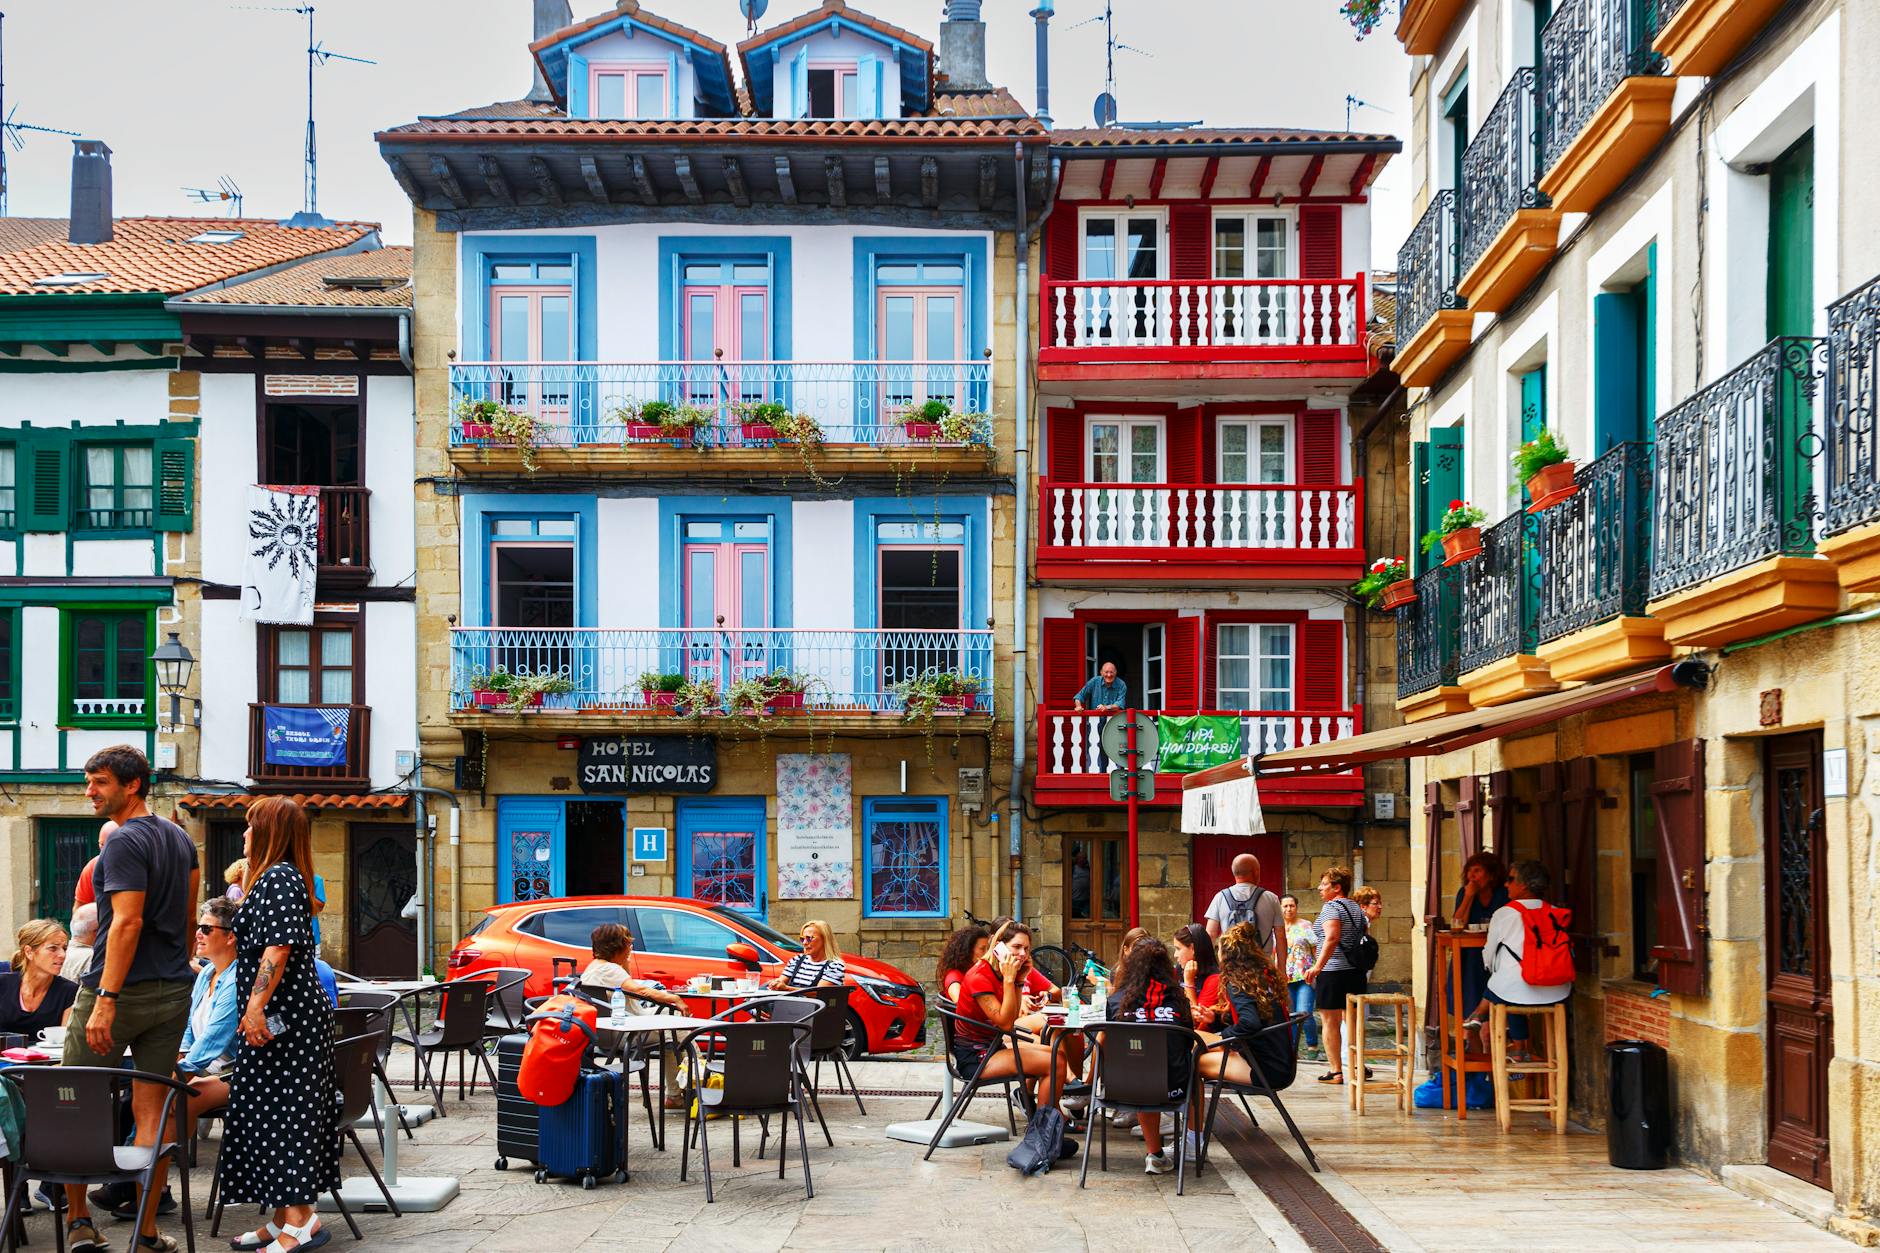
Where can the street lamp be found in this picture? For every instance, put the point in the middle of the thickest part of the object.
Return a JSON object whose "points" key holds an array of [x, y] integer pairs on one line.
{"points": [[174, 664]]}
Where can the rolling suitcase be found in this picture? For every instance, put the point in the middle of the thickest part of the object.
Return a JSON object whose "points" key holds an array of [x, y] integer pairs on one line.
{"points": [[516, 1117], [582, 1138]]}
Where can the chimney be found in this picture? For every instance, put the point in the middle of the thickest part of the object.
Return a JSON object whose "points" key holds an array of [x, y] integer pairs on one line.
{"points": [[550, 16], [1042, 15], [91, 192], [963, 46]]}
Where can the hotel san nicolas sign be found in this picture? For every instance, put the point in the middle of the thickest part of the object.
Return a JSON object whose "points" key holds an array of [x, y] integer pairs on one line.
{"points": [[648, 763]]}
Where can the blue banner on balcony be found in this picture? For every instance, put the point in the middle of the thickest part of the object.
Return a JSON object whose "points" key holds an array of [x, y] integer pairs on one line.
{"points": [[302, 735]]}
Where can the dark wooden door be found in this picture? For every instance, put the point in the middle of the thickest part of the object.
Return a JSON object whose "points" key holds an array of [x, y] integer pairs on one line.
{"points": [[1801, 1018], [1096, 910], [384, 874]]}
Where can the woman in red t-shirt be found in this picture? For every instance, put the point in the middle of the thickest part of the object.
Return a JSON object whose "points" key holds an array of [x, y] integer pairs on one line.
{"points": [[993, 993], [1201, 973], [963, 950]]}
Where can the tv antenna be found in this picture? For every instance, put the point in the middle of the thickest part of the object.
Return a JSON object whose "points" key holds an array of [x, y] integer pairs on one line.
{"points": [[1106, 102], [224, 190], [1352, 102], [13, 132], [317, 55], [752, 10]]}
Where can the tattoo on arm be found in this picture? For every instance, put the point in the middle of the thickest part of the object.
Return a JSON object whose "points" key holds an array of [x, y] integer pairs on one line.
{"points": [[264, 978]]}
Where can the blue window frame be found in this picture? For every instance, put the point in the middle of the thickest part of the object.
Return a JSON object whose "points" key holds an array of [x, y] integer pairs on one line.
{"points": [[492, 261], [722, 854], [492, 519], [737, 260], [530, 835], [904, 857]]}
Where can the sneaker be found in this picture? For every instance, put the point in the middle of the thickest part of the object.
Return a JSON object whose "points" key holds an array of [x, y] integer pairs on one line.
{"points": [[166, 1205], [53, 1200], [1194, 1144], [1119, 1119], [1157, 1164], [1076, 1105], [113, 1195]]}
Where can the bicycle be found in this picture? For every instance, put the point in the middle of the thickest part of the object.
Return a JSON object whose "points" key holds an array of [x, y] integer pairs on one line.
{"points": [[1059, 965]]}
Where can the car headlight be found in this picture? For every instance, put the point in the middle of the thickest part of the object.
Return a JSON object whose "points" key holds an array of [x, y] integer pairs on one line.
{"points": [[885, 991]]}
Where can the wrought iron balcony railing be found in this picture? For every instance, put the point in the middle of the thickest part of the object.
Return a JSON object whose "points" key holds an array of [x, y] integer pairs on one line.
{"points": [[1069, 740], [1734, 479], [1588, 48], [1500, 169], [602, 402], [1143, 315], [1853, 409], [1497, 593], [1596, 545], [1426, 633], [1427, 267], [839, 671], [1198, 517]]}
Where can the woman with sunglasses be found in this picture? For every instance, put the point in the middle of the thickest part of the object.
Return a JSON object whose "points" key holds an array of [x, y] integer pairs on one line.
{"points": [[214, 1011]]}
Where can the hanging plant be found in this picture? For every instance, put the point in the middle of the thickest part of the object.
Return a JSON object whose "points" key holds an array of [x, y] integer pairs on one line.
{"points": [[486, 419], [762, 420], [517, 693], [698, 697], [766, 694], [944, 692], [1386, 584], [1544, 466], [1458, 533], [660, 690], [924, 421], [1364, 15]]}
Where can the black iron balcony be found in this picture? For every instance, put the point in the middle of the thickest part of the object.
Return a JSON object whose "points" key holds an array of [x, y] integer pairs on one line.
{"points": [[1426, 634], [1500, 169], [1853, 409], [1734, 480], [1427, 268], [1588, 48], [1596, 546], [1498, 592]]}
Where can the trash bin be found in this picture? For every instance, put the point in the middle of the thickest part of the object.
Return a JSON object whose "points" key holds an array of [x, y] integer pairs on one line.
{"points": [[1638, 1114]]}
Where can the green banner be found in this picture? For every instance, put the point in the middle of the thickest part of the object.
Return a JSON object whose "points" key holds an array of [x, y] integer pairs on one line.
{"points": [[1197, 741]]}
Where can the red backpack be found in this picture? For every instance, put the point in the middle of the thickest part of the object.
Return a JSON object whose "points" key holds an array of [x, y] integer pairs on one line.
{"points": [[1546, 948], [561, 1033]]}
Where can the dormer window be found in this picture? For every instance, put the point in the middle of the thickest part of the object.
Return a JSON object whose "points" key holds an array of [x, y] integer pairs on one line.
{"points": [[629, 91], [833, 90]]}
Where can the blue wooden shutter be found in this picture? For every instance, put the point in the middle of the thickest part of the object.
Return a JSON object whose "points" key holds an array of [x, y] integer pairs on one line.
{"points": [[867, 87], [577, 85], [672, 87], [1616, 339], [799, 84]]}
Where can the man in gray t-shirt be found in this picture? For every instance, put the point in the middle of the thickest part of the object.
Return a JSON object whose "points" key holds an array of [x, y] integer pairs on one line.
{"points": [[1244, 900]]}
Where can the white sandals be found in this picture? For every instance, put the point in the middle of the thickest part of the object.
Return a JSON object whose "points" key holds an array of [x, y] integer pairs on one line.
{"points": [[246, 1240], [309, 1236]]}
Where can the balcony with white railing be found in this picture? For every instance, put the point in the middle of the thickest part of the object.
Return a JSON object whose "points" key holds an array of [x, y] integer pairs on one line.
{"points": [[1234, 531], [1206, 323], [727, 414], [1073, 769], [843, 677]]}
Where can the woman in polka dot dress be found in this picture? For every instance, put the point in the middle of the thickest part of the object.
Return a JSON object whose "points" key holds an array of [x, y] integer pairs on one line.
{"points": [[281, 1147]]}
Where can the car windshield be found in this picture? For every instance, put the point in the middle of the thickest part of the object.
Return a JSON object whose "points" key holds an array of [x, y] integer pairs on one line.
{"points": [[764, 930]]}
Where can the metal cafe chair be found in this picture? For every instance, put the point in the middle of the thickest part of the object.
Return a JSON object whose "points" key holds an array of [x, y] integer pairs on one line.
{"points": [[760, 1065], [1131, 1076], [1260, 1085], [971, 1083]]}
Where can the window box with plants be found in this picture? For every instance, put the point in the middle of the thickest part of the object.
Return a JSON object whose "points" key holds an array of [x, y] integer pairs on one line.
{"points": [[660, 690], [678, 694], [487, 420], [499, 689], [1386, 584], [937, 421], [1543, 464], [931, 694], [763, 420], [1458, 533], [777, 692], [663, 420]]}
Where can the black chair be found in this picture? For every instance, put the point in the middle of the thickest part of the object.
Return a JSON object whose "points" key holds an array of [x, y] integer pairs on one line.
{"points": [[463, 1014], [385, 1008], [507, 1003], [759, 1063], [73, 1138], [949, 1027], [802, 1009], [353, 1072], [1260, 1086], [1131, 1076], [635, 1052], [827, 1042]]}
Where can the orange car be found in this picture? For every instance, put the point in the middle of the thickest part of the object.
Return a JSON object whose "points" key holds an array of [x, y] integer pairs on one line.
{"points": [[676, 938]]}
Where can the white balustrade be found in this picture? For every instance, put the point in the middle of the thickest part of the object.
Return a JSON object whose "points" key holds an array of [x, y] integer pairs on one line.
{"points": [[1253, 313], [1205, 517]]}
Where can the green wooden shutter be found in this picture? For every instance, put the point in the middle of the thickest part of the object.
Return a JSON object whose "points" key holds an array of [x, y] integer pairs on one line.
{"points": [[176, 484], [1533, 403], [1647, 293], [1616, 338], [1419, 503], [1443, 483], [1792, 240], [1456, 117], [45, 480]]}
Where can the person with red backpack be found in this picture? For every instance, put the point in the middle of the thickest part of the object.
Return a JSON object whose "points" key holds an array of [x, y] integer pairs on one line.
{"points": [[1528, 954]]}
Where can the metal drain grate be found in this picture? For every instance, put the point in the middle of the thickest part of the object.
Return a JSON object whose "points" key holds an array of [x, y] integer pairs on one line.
{"points": [[1324, 1224]]}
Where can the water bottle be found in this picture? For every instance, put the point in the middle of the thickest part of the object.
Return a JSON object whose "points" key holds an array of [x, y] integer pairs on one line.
{"points": [[1100, 998], [1073, 1008], [617, 1006]]}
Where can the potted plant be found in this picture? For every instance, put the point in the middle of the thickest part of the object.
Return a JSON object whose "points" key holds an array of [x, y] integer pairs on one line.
{"points": [[925, 695], [956, 692], [1458, 533], [970, 427], [1542, 463], [767, 693], [697, 697], [923, 421], [486, 419], [1386, 584], [641, 421], [664, 419], [660, 689], [518, 692], [762, 420], [800, 429], [475, 418]]}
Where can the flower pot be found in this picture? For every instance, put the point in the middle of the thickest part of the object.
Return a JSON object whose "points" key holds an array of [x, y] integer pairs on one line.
{"points": [[922, 430], [645, 430], [754, 431], [1551, 485], [495, 700], [1461, 544], [478, 430], [610, 709], [1402, 592], [955, 704], [784, 701], [663, 701]]}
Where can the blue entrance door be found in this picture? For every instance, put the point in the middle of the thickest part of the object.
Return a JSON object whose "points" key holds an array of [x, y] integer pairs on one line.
{"points": [[530, 838], [721, 851]]}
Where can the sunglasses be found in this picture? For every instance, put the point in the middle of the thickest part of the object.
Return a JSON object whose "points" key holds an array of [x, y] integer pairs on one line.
{"points": [[204, 928]]}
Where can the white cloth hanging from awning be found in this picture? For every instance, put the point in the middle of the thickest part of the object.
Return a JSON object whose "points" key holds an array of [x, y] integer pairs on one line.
{"points": [[1231, 807]]}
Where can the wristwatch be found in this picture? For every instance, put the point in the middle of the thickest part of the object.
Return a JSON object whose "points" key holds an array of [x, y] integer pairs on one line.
{"points": [[107, 996]]}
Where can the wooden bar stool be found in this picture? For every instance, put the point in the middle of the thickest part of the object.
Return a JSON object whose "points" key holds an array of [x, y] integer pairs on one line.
{"points": [[1552, 1069], [1400, 1053]]}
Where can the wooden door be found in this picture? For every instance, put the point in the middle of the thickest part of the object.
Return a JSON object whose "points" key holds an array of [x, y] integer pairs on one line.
{"points": [[1211, 866], [1096, 911], [382, 868], [1801, 1019]]}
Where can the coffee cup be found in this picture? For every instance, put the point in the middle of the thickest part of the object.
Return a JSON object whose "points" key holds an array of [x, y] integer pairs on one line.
{"points": [[53, 1037]]}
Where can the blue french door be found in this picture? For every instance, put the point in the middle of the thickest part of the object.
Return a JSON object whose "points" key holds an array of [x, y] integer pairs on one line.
{"points": [[531, 848], [721, 852]]}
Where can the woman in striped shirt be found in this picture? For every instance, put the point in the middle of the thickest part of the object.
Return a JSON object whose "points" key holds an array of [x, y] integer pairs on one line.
{"points": [[818, 963]]}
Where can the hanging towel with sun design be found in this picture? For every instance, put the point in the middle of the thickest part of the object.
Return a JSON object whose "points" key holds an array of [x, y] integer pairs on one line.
{"points": [[283, 559]]}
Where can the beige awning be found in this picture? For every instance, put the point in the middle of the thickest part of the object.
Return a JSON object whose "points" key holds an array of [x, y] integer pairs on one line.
{"points": [[1452, 731]]}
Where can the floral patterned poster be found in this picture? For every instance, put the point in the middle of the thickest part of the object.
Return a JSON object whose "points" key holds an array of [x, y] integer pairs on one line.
{"points": [[815, 827]]}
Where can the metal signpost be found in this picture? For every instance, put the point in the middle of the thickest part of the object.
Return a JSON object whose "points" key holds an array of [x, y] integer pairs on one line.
{"points": [[1130, 738]]}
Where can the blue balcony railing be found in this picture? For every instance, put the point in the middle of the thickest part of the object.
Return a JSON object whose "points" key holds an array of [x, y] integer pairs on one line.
{"points": [[839, 671], [601, 402]]}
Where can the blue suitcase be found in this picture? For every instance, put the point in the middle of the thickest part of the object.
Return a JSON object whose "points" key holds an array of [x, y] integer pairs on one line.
{"points": [[583, 1137]]}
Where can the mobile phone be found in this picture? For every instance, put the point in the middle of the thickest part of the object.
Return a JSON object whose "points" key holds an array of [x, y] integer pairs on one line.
{"points": [[1000, 953], [277, 1026]]}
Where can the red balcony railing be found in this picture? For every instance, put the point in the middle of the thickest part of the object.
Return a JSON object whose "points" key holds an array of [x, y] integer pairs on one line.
{"points": [[1304, 530], [356, 772], [346, 535], [1281, 319]]}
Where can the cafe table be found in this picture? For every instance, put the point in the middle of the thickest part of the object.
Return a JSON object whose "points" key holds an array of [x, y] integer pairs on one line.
{"points": [[613, 1039], [1456, 1062]]}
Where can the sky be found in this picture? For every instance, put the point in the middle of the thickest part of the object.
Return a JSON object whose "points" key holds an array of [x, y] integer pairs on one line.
{"points": [[188, 91]]}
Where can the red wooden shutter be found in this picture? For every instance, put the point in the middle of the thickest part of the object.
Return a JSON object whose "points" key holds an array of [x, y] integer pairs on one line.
{"points": [[1321, 241], [1190, 260], [1320, 675], [1063, 665], [1064, 429], [1581, 803], [1318, 445], [1181, 666], [1678, 802], [1060, 265], [1469, 815], [1206, 422], [1184, 446]]}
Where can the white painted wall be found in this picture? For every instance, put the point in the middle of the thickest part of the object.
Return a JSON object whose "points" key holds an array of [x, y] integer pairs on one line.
{"points": [[225, 453], [133, 397], [391, 452], [629, 562], [107, 557], [822, 538], [391, 684], [39, 688]]}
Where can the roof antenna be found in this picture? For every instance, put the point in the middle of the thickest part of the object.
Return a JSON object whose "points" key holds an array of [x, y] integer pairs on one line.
{"points": [[1106, 100], [13, 133], [309, 215], [752, 10], [1352, 102], [224, 190]]}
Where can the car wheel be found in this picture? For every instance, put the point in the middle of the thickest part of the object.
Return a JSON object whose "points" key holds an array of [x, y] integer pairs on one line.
{"points": [[854, 1037]]}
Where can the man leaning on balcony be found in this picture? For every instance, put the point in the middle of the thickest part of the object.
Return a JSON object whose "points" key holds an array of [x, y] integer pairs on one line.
{"points": [[1104, 694]]}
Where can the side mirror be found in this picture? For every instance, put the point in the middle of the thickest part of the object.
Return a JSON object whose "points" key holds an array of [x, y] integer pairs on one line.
{"points": [[746, 953]]}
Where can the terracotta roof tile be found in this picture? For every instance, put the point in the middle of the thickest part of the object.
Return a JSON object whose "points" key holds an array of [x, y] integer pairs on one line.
{"points": [[307, 285], [510, 109], [1201, 137], [153, 255], [713, 128], [17, 233], [632, 9], [997, 102], [831, 8], [307, 800]]}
